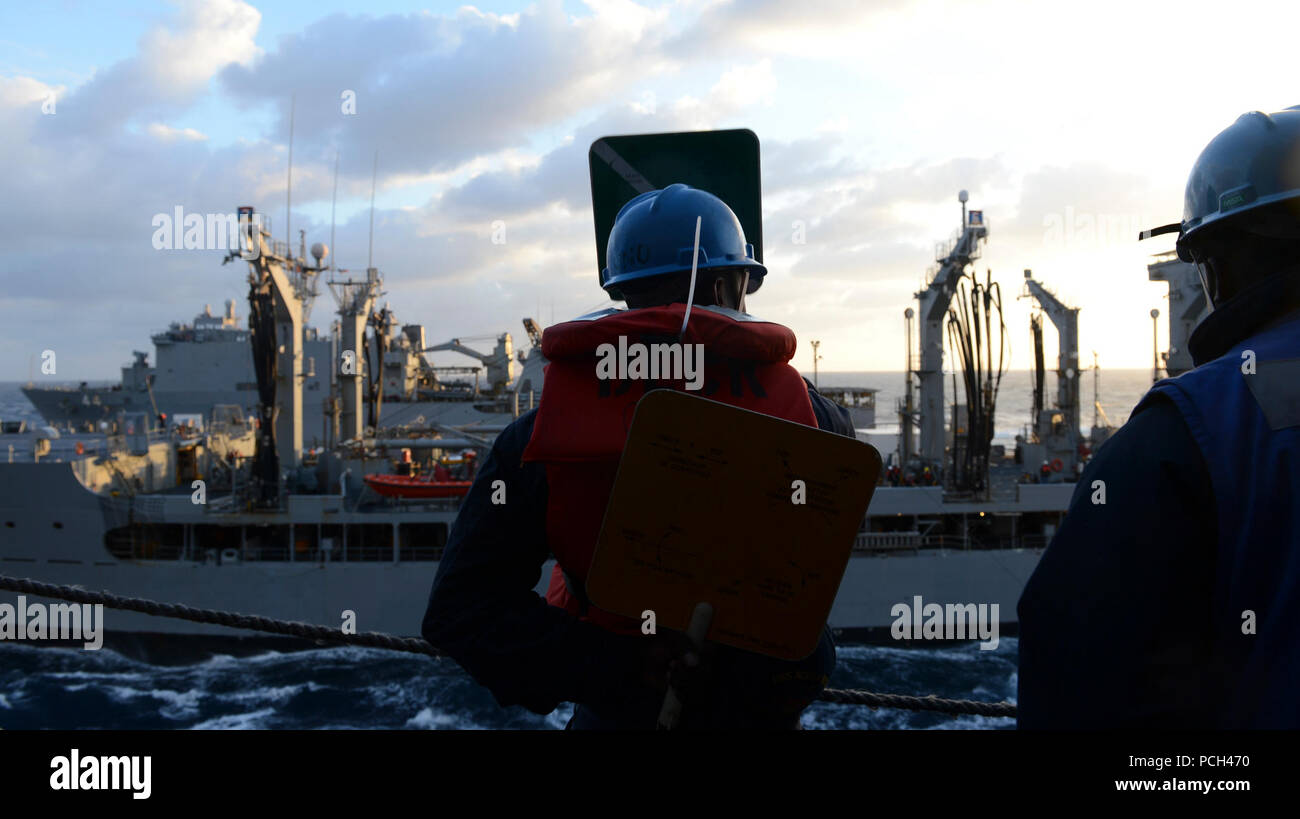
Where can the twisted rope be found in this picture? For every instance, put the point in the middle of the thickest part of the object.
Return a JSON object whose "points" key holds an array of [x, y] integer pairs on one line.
{"points": [[415, 645], [855, 696], [252, 622]]}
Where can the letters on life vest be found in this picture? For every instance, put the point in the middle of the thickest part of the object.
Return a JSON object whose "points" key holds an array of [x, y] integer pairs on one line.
{"points": [[582, 426]]}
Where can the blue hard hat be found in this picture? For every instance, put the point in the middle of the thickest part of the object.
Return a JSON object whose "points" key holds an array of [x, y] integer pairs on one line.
{"points": [[654, 234], [1251, 165]]}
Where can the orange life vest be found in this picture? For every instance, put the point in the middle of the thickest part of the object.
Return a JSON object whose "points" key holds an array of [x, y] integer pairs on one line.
{"points": [[583, 420]]}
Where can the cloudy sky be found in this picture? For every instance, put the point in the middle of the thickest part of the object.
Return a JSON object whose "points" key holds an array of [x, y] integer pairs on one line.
{"points": [[872, 115]]}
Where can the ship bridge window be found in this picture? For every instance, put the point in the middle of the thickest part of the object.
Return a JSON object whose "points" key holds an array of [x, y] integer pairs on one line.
{"points": [[208, 537], [146, 541], [422, 541], [266, 542], [369, 541]]}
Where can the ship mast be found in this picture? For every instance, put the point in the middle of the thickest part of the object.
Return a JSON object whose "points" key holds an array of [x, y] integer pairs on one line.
{"points": [[356, 300], [275, 324]]}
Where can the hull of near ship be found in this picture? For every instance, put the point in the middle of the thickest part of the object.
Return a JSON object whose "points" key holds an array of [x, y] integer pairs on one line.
{"points": [[390, 596]]}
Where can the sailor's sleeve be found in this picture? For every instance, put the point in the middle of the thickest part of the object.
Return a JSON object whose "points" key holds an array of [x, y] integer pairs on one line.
{"points": [[830, 416], [483, 611]]}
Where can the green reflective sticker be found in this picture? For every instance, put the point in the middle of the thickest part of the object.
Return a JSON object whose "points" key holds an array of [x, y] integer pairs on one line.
{"points": [[1231, 200]]}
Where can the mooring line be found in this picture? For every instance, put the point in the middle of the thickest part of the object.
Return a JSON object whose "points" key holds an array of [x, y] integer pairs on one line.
{"points": [[416, 645]]}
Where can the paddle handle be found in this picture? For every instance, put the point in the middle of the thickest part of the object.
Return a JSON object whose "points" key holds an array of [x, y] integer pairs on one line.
{"points": [[701, 619]]}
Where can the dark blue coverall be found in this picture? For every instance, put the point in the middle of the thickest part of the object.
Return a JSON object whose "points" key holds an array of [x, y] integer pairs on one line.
{"points": [[1116, 623]]}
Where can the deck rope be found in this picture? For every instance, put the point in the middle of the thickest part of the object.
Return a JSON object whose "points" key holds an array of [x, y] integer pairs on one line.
{"points": [[416, 645]]}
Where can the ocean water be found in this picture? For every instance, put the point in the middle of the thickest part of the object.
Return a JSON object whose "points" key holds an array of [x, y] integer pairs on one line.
{"points": [[361, 688], [1120, 391], [347, 687]]}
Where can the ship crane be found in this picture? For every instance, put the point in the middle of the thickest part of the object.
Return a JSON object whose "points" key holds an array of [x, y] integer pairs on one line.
{"points": [[933, 302], [1058, 429], [534, 334], [275, 326], [534, 339], [500, 362]]}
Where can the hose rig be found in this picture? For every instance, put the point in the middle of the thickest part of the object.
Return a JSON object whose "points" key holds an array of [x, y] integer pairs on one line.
{"points": [[970, 331], [952, 259]]}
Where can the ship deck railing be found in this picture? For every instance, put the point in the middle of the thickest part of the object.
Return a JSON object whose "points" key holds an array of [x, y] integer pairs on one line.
{"points": [[913, 541]]}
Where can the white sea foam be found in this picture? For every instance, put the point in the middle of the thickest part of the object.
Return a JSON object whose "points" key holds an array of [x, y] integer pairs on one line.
{"points": [[431, 720], [98, 676], [175, 704], [278, 695], [236, 722]]}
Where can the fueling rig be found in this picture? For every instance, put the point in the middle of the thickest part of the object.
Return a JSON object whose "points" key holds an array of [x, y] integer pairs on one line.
{"points": [[959, 461], [1053, 447]]}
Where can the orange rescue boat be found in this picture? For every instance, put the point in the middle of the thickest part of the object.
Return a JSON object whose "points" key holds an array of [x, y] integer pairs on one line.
{"points": [[414, 486]]}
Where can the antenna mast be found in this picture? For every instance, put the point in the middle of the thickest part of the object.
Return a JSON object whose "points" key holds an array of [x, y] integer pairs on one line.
{"points": [[288, 187], [333, 201], [370, 253]]}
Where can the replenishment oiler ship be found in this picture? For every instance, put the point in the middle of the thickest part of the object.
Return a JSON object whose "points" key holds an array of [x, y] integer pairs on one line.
{"points": [[223, 504]]}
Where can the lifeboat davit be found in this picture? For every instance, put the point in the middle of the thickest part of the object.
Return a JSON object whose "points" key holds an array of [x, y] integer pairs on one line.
{"points": [[414, 486]]}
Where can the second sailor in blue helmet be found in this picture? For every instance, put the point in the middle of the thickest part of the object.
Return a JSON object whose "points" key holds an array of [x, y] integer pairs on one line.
{"points": [[1170, 599]]}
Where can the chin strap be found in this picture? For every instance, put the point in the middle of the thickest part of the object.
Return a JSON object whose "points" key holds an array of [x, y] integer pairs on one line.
{"points": [[690, 294]]}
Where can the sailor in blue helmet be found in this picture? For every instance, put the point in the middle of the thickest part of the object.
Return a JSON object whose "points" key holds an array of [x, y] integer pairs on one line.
{"points": [[557, 464], [1170, 597]]}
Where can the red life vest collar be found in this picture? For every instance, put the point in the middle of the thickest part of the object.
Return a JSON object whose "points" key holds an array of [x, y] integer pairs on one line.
{"points": [[724, 332], [573, 424]]}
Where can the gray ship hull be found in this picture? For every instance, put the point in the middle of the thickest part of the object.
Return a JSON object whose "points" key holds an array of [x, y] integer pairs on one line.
{"points": [[54, 530], [66, 405]]}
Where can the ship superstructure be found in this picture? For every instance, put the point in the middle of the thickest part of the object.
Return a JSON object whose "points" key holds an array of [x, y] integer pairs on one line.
{"points": [[1187, 307], [209, 361]]}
